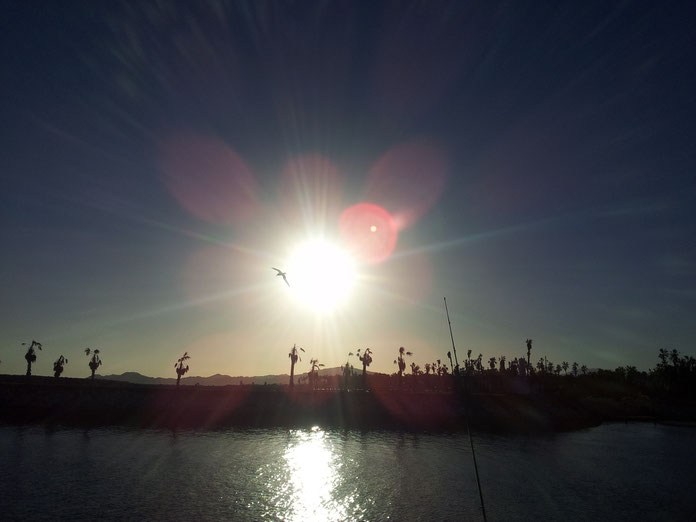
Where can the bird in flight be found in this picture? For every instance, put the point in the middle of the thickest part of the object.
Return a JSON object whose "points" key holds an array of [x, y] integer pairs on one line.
{"points": [[281, 274]]}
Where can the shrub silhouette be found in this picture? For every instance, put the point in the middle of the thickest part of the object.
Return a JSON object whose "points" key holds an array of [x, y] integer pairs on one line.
{"points": [[95, 362], [541, 366], [180, 368], [58, 366], [30, 356], [347, 373]]}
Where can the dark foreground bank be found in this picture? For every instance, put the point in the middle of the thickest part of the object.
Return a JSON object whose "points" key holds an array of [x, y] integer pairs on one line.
{"points": [[80, 402]]}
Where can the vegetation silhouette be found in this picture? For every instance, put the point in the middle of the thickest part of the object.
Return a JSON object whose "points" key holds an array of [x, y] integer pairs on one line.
{"points": [[674, 375], [492, 362], [313, 375], [95, 362], [366, 359], [347, 374], [180, 368], [58, 366], [30, 356], [400, 361], [495, 394], [294, 357]]}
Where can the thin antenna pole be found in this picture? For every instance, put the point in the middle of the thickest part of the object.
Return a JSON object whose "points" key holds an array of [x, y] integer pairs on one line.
{"points": [[451, 336], [478, 481], [471, 441]]}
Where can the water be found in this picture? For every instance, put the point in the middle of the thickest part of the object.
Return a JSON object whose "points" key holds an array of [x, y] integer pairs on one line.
{"points": [[612, 472]]}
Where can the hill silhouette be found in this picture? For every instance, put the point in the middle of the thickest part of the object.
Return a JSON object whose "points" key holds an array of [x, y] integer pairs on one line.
{"points": [[213, 380]]}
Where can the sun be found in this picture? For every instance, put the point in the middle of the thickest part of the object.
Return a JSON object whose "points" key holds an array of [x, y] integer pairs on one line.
{"points": [[321, 275]]}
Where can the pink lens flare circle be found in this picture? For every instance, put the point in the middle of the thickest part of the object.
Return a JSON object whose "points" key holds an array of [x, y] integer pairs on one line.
{"points": [[369, 232], [408, 180], [209, 179]]}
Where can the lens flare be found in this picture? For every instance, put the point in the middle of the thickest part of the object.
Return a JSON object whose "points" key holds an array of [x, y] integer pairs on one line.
{"points": [[369, 232], [209, 179], [408, 180]]}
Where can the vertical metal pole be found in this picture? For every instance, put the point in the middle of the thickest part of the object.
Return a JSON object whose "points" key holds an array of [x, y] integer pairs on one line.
{"points": [[478, 481], [451, 336], [471, 441]]}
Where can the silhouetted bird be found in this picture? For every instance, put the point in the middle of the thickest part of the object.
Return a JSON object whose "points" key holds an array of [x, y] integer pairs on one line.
{"points": [[281, 274]]}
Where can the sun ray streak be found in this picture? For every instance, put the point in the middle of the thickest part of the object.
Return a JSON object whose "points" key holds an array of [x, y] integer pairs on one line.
{"points": [[155, 312]]}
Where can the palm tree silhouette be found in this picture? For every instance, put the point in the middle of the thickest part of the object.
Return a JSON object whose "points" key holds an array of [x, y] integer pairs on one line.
{"points": [[479, 363], [30, 356], [366, 360], [314, 372], [575, 369], [565, 367], [400, 360], [180, 368], [529, 353], [95, 362], [58, 366], [294, 357], [583, 369]]}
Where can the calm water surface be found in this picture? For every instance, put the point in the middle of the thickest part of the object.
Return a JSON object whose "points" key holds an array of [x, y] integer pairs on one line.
{"points": [[617, 472]]}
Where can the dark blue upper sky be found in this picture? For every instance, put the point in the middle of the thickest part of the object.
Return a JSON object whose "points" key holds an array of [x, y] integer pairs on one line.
{"points": [[559, 204]]}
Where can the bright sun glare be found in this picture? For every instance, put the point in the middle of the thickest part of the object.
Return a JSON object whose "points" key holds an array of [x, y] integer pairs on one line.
{"points": [[321, 275]]}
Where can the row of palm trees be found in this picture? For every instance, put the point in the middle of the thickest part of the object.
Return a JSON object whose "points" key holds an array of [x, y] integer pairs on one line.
{"points": [[363, 355], [59, 365], [314, 366], [94, 361], [517, 366]]}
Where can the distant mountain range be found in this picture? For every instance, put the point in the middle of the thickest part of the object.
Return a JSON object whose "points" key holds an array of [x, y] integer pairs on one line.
{"points": [[217, 379]]}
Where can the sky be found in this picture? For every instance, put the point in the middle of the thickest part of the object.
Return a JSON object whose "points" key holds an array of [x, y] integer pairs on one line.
{"points": [[532, 163]]}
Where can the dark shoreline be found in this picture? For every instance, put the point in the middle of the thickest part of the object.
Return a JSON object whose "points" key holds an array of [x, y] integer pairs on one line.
{"points": [[83, 403]]}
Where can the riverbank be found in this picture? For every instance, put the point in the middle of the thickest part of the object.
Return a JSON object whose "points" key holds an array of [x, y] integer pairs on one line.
{"points": [[81, 402]]}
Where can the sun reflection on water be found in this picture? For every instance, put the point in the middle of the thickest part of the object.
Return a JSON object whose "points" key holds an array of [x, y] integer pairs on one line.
{"points": [[313, 476]]}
